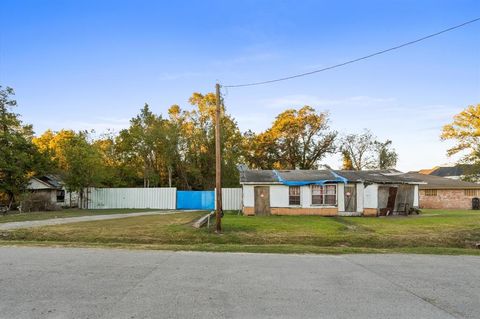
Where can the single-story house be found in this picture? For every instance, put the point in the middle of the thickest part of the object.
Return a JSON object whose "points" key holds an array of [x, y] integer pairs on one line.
{"points": [[327, 192], [53, 187], [445, 193], [458, 171]]}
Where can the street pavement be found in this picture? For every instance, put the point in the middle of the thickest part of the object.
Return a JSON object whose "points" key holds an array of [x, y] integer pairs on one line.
{"points": [[102, 283]]}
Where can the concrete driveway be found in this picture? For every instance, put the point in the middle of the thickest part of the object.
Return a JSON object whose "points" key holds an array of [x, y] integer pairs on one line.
{"points": [[99, 283], [69, 220]]}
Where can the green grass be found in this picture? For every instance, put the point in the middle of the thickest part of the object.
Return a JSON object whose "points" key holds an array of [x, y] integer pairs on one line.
{"points": [[440, 232], [71, 212]]}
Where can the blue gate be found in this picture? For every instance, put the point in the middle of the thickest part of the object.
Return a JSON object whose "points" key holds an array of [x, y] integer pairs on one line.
{"points": [[204, 200]]}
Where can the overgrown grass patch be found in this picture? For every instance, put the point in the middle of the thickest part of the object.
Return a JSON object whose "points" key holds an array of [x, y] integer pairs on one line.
{"points": [[64, 213], [434, 232]]}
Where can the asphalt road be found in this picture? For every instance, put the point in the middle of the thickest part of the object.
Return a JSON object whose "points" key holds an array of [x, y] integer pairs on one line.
{"points": [[100, 283]]}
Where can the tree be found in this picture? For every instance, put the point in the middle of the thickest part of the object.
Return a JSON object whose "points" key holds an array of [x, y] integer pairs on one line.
{"points": [[19, 159], [387, 157], [83, 164], [465, 130], [358, 149], [346, 161], [75, 157], [298, 139], [144, 146], [363, 151], [196, 145]]}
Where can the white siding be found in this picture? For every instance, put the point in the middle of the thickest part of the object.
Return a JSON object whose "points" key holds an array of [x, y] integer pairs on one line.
{"points": [[415, 196], [279, 196], [156, 198], [248, 196], [370, 196], [341, 197]]}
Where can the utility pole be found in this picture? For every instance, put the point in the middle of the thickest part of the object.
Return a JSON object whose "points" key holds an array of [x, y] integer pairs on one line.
{"points": [[218, 162]]}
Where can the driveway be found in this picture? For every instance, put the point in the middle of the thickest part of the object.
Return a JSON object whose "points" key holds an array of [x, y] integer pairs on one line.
{"points": [[68, 220], [100, 283]]}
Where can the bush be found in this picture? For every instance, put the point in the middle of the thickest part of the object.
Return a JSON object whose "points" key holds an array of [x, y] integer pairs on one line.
{"points": [[34, 202]]}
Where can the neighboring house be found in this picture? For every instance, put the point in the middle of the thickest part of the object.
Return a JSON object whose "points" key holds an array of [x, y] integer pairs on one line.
{"points": [[53, 187], [445, 193], [327, 192], [459, 171]]}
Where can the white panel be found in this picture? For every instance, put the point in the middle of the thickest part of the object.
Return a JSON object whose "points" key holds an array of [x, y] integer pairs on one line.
{"points": [[279, 196], [142, 198], [360, 197], [248, 196], [231, 198], [415, 196], [371, 196], [305, 196], [341, 197]]}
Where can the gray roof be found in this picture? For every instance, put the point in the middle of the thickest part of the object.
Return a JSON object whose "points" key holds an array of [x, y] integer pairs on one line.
{"points": [[437, 182], [374, 176], [379, 177], [258, 176], [457, 170]]}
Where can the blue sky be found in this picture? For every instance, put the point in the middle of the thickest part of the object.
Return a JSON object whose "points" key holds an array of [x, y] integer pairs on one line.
{"points": [[92, 64]]}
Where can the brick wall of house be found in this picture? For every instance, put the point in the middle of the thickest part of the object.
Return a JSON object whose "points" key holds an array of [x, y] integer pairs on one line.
{"points": [[321, 211], [447, 199]]}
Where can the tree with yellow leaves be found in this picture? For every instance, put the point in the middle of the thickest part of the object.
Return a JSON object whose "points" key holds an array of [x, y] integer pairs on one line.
{"points": [[465, 130], [298, 139]]}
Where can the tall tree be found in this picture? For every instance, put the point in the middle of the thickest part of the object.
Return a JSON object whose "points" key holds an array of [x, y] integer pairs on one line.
{"points": [[19, 159], [82, 167], [197, 144], [363, 151], [144, 143], [297, 139], [387, 157], [465, 131]]}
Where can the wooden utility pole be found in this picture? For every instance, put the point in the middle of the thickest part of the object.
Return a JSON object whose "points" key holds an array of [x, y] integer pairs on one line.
{"points": [[218, 162]]}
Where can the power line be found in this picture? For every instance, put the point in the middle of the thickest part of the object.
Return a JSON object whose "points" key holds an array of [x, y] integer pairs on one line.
{"points": [[354, 60]]}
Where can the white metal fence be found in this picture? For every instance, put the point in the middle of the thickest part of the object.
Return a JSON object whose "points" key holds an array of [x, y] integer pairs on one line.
{"points": [[144, 198], [158, 198], [231, 198]]}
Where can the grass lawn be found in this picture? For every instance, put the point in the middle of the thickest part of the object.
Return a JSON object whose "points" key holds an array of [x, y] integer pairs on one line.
{"points": [[70, 212], [443, 232]]}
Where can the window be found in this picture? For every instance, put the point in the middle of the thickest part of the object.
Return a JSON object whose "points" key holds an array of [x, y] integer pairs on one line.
{"points": [[60, 196], [294, 195], [324, 194], [430, 192], [471, 192]]}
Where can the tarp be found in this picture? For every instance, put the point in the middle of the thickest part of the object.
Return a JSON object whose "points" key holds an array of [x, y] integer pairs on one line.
{"points": [[337, 179]]}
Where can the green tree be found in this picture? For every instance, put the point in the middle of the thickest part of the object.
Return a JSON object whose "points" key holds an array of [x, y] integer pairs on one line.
{"points": [[387, 157], [19, 159], [83, 165], [297, 139], [196, 145], [145, 145]]}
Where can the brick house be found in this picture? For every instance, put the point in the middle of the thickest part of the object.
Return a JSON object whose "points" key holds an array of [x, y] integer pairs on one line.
{"points": [[327, 192], [445, 193]]}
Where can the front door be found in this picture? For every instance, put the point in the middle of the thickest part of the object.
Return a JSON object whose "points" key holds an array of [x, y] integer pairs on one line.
{"points": [[262, 200], [350, 198]]}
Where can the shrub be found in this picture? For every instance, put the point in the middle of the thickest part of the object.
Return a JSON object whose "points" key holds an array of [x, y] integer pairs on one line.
{"points": [[34, 202]]}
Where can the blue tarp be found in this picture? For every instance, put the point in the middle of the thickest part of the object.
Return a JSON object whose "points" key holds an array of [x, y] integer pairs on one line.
{"points": [[338, 179]]}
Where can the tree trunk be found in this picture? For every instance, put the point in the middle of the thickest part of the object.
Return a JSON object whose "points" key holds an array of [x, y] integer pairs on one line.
{"points": [[169, 176]]}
